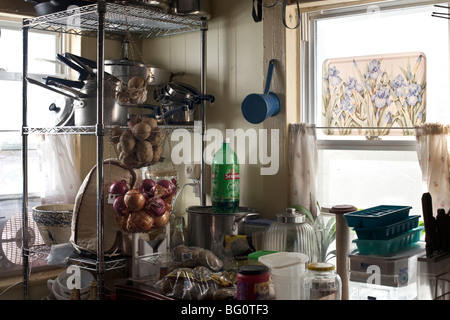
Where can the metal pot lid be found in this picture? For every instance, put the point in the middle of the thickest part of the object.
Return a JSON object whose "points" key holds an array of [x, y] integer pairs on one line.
{"points": [[125, 62], [291, 216], [61, 112], [210, 210]]}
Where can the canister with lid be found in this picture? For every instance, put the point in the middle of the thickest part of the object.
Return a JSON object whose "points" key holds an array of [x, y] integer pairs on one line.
{"points": [[292, 233], [321, 282]]}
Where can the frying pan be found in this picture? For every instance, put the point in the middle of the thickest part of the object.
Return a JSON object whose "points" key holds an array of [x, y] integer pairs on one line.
{"points": [[258, 107]]}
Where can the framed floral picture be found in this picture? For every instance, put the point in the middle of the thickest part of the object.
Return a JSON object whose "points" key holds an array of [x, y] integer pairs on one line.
{"points": [[370, 95]]}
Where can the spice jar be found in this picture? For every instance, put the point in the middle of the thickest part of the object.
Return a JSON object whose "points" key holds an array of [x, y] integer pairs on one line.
{"points": [[321, 282], [253, 282]]}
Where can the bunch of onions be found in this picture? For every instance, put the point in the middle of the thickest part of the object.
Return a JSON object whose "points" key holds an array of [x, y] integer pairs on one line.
{"points": [[143, 208]]}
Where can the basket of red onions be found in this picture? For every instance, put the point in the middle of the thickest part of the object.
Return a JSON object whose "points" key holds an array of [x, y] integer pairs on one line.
{"points": [[145, 208]]}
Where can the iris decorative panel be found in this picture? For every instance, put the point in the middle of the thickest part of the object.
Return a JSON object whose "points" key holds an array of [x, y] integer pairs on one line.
{"points": [[370, 95]]}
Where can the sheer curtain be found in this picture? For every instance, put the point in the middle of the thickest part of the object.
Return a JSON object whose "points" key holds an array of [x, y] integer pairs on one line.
{"points": [[433, 153], [303, 165], [61, 179]]}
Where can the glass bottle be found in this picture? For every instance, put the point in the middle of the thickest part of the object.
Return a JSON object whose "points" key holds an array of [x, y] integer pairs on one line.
{"points": [[225, 180], [93, 292], [320, 282], [75, 294], [291, 233], [177, 237]]}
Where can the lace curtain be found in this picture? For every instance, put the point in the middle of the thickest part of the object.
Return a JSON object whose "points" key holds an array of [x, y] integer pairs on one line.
{"points": [[433, 153], [61, 179], [303, 165]]}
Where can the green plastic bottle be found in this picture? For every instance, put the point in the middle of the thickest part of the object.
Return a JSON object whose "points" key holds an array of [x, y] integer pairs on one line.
{"points": [[225, 180]]}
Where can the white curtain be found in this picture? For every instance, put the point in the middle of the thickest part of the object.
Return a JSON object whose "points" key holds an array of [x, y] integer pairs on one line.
{"points": [[433, 153], [61, 179], [303, 165]]}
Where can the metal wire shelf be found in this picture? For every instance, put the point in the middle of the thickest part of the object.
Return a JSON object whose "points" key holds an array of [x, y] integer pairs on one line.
{"points": [[90, 130], [42, 252], [119, 18]]}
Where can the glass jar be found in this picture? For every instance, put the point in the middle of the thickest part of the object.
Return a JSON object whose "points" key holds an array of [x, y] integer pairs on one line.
{"points": [[321, 282], [291, 233], [162, 170]]}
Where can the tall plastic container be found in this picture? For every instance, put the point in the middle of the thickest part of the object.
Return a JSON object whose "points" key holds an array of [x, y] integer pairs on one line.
{"points": [[225, 186], [286, 269]]}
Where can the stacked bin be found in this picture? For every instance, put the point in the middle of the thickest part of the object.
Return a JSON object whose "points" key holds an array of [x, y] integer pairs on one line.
{"points": [[385, 265]]}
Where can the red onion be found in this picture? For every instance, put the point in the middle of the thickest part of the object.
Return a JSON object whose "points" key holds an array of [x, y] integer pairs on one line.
{"points": [[118, 187], [169, 186], [155, 206], [161, 221], [134, 200], [119, 205], [147, 187]]}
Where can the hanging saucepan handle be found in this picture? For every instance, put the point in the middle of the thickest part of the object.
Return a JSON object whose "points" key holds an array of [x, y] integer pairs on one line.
{"points": [[257, 15], [84, 74], [204, 97], [269, 76], [43, 85], [284, 15], [70, 83], [85, 64], [68, 89]]}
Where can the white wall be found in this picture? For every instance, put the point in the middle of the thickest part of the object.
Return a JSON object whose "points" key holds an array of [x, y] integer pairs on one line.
{"points": [[234, 69]]}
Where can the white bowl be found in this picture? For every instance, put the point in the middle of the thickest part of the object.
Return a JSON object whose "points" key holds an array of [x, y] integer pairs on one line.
{"points": [[60, 289], [54, 222], [54, 289]]}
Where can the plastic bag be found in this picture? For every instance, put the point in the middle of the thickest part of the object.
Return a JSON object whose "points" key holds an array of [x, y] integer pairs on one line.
{"points": [[198, 283], [192, 257]]}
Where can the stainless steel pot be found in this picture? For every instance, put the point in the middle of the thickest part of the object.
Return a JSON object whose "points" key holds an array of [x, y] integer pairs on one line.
{"points": [[191, 7], [206, 227], [158, 76], [125, 69], [86, 108], [85, 100], [178, 113]]}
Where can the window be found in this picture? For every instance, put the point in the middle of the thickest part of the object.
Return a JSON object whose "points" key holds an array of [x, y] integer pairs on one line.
{"points": [[42, 62], [356, 169]]}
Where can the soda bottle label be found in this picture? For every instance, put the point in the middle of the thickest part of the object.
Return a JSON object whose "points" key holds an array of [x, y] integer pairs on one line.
{"points": [[225, 182]]}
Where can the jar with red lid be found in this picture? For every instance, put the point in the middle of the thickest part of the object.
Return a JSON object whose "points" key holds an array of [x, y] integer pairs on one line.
{"points": [[253, 282]]}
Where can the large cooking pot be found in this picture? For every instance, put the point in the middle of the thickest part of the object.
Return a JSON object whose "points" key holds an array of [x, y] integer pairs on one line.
{"points": [[206, 227], [85, 100], [191, 7], [86, 108], [43, 7], [125, 69]]}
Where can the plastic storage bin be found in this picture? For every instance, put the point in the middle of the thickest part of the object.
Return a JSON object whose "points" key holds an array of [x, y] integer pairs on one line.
{"points": [[427, 271], [389, 231], [385, 277], [377, 216], [389, 246], [403, 261], [365, 291]]}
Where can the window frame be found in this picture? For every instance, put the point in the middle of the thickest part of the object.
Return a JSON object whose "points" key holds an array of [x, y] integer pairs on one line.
{"points": [[62, 43], [307, 76]]}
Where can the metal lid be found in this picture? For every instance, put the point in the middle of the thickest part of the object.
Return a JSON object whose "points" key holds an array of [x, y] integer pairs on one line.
{"points": [[253, 269], [210, 210], [320, 266], [125, 62], [61, 112], [291, 216]]}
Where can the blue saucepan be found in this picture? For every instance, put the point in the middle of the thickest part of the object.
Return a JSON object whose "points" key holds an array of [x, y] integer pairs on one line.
{"points": [[258, 107]]}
